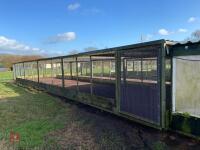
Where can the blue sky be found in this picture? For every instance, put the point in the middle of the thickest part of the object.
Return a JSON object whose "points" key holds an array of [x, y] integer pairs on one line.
{"points": [[57, 27]]}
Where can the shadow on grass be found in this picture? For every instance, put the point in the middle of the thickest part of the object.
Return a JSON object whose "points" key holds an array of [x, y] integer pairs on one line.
{"points": [[90, 128]]}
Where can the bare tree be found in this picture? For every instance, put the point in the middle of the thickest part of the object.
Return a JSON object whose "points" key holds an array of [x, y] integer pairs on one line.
{"points": [[196, 35], [7, 60]]}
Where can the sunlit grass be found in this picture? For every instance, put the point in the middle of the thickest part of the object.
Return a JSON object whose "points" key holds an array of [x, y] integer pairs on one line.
{"points": [[32, 114], [6, 92], [6, 75]]}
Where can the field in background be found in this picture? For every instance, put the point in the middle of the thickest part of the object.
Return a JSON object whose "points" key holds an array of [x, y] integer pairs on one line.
{"points": [[6, 76]]}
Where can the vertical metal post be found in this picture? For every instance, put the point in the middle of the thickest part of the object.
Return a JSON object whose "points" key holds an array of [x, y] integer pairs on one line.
{"points": [[51, 71], [63, 73], [81, 67], [32, 71], [142, 70], [43, 69], [102, 68], [24, 72], [118, 80], [86, 68], [38, 73], [91, 75], [161, 67], [70, 65], [110, 68], [127, 63], [56, 68], [77, 75], [124, 70], [18, 71], [147, 68]]}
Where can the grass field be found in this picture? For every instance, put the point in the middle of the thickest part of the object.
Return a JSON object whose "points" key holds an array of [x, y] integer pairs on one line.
{"points": [[32, 114], [5, 76], [46, 122]]}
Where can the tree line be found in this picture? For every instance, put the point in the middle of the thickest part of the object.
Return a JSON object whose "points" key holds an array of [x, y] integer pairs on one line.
{"points": [[6, 60]]}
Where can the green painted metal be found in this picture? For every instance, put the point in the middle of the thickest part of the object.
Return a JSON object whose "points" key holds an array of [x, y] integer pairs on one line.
{"points": [[186, 124], [77, 75], [185, 49], [71, 69], [108, 50], [38, 72], [118, 80], [161, 66], [91, 100], [63, 73], [24, 71], [91, 75], [168, 119]]}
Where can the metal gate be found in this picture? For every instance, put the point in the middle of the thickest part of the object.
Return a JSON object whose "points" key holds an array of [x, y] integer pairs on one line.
{"points": [[140, 92]]}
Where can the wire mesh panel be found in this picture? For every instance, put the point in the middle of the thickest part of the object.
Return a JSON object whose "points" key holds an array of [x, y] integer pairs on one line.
{"points": [[139, 84], [41, 70], [34, 71], [56, 72], [84, 74], [27, 70], [108, 68], [30, 71], [70, 73], [45, 71], [186, 85], [103, 76], [19, 70], [84, 68]]}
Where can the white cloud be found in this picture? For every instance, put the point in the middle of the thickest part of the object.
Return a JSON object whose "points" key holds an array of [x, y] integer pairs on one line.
{"points": [[13, 46], [192, 19], [164, 32], [62, 37], [73, 6], [181, 30]]}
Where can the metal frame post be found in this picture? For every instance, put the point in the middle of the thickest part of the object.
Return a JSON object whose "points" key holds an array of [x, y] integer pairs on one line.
{"points": [[77, 75], [102, 69], [142, 70], [118, 80], [110, 68], [161, 66], [70, 65], [91, 75], [38, 72], [51, 71], [124, 70], [24, 72], [32, 65], [63, 73]]}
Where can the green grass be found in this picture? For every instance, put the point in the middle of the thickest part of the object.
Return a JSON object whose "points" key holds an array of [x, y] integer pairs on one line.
{"points": [[32, 114], [6, 75]]}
